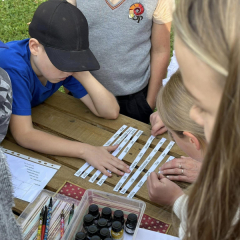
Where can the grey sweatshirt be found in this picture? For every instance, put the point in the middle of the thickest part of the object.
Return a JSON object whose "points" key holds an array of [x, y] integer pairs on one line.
{"points": [[9, 230]]}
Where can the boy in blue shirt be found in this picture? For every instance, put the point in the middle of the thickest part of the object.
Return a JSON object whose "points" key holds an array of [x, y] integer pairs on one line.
{"points": [[57, 54]]}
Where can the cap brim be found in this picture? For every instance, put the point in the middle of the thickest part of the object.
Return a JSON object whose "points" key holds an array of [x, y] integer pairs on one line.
{"points": [[3, 45], [72, 61]]}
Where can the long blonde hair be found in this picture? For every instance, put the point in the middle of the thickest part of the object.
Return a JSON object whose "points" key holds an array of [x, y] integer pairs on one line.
{"points": [[174, 104], [211, 30]]}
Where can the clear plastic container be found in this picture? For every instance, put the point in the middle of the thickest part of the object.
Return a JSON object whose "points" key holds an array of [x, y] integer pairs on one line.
{"points": [[29, 219], [103, 199]]}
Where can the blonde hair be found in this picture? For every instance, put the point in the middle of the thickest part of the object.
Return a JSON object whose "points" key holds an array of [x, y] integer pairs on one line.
{"points": [[211, 30], [174, 104]]}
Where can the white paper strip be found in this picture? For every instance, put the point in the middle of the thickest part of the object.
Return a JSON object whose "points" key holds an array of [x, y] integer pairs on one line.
{"points": [[121, 146], [152, 168], [122, 155], [134, 163], [142, 166], [38, 161], [89, 170], [97, 173], [108, 143], [169, 159]]}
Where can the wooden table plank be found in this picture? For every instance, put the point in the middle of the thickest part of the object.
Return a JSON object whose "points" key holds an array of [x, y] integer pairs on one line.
{"points": [[74, 107]]}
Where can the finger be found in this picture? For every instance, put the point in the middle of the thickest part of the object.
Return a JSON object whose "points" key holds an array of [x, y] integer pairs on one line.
{"points": [[162, 130], [173, 171], [112, 148], [157, 126], [104, 171], [120, 165], [152, 119], [154, 177], [183, 157], [180, 178], [175, 163], [113, 169], [161, 176]]}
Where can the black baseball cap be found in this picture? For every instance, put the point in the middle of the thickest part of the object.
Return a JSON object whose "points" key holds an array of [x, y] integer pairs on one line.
{"points": [[63, 31]]}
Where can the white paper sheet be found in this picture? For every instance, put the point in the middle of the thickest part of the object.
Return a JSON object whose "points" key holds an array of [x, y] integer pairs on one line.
{"points": [[144, 234], [28, 177]]}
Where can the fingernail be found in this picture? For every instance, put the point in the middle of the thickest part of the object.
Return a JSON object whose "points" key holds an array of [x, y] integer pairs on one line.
{"points": [[161, 172], [110, 175], [129, 171], [167, 177]]}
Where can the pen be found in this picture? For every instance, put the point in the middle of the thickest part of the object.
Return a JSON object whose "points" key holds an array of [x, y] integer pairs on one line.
{"points": [[62, 224], [71, 214], [40, 225], [49, 215], [44, 222]]}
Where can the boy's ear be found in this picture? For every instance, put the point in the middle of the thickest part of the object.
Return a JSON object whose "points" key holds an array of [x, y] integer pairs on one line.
{"points": [[34, 46], [192, 139]]}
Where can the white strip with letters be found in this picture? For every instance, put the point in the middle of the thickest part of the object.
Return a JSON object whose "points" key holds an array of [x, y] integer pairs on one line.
{"points": [[134, 164], [125, 134], [108, 143], [151, 169], [97, 173], [122, 155], [142, 166], [121, 146]]}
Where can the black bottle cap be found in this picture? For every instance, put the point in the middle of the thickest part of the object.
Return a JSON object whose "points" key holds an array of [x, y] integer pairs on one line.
{"points": [[116, 226], [132, 218], [88, 219], [81, 236], [92, 230], [102, 222], [95, 238], [118, 214], [106, 212], [93, 209], [104, 233]]}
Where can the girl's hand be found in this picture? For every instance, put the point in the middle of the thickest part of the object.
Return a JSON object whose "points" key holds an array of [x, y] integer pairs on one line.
{"points": [[100, 158], [162, 191], [157, 124], [183, 169]]}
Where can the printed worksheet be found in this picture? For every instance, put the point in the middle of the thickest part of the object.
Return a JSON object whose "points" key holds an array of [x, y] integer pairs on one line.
{"points": [[29, 177]]}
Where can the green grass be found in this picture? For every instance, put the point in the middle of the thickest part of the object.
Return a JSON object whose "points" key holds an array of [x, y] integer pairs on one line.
{"points": [[14, 16]]}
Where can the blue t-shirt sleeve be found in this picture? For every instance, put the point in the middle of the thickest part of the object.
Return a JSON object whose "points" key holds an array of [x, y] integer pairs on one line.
{"points": [[22, 96], [75, 87]]}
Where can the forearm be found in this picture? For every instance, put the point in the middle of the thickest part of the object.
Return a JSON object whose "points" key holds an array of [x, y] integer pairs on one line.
{"points": [[159, 64], [104, 102], [49, 144]]}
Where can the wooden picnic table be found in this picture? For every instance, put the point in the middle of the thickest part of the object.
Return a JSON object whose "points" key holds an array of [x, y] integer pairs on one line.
{"points": [[65, 116]]}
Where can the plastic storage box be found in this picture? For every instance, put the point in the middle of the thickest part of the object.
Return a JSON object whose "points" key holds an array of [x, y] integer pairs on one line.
{"points": [[103, 199], [29, 219]]}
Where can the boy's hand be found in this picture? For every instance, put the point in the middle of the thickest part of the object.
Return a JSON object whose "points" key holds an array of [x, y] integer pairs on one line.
{"points": [[157, 124], [100, 158], [162, 191], [183, 169]]}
